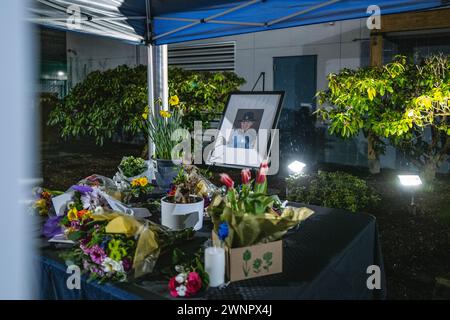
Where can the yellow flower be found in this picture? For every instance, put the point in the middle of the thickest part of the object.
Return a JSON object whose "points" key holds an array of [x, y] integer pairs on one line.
{"points": [[72, 214], [165, 114], [174, 100], [135, 182], [145, 113], [143, 181]]}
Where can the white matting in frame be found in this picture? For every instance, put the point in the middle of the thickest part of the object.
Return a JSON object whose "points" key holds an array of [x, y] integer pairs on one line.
{"points": [[244, 132]]}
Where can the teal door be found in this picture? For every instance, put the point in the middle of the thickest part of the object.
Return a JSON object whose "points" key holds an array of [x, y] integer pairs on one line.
{"points": [[299, 139], [297, 76]]}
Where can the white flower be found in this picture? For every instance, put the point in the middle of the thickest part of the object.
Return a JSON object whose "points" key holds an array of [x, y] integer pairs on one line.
{"points": [[181, 290], [91, 199], [180, 278], [109, 265]]}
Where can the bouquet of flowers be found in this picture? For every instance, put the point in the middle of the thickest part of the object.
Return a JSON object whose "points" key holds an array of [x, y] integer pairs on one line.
{"points": [[249, 214], [132, 167], [190, 277], [43, 203], [113, 246], [189, 182]]}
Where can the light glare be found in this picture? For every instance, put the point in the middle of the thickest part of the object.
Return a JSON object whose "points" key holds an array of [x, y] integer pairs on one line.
{"points": [[410, 180], [296, 166]]}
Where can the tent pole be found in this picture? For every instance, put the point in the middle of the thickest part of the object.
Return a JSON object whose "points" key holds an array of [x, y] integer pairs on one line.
{"points": [[161, 75], [151, 95]]}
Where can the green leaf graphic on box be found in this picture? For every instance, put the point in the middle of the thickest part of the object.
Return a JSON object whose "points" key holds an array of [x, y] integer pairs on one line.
{"points": [[268, 259], [257, 265], [246, 257]]}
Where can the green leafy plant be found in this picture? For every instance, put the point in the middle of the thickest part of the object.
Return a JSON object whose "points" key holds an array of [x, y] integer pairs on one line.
{"points": [[162, 131], [331, 189], [110, 101], [397, 101], [131, 166], [204, 93]]}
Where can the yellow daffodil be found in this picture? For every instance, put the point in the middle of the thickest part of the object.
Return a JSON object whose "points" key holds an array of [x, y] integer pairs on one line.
{"points": [[72, 214], [174, 100], [165, 114], [145, 113], [143, 181], [135, 182]]}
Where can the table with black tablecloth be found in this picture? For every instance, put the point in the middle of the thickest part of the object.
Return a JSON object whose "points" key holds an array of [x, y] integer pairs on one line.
{"points": [[326, 257]]}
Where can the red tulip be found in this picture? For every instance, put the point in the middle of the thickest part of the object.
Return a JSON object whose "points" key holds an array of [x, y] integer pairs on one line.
{"points": [[226, 180], [262, 172], [246, 175]]}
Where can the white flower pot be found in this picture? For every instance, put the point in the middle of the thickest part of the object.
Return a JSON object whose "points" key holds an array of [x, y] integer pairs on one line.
{"points": [[179, 216]]}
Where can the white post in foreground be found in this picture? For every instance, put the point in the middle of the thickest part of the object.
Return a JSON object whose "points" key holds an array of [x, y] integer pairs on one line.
{"points": [[17, 144], [151, 95]]}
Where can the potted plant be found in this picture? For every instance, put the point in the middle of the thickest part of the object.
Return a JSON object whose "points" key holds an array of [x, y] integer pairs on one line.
{"points": [[184, 205], [160, 131], [131, 168]]}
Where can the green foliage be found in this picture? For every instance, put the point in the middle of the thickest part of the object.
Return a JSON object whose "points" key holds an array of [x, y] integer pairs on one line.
{"points": [[331, 189], [204, 93], [397, 101], [109, 101], [131, 166]]}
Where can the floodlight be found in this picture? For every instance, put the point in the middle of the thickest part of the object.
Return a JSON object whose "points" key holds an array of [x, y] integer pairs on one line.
{"points": [[410, 180], [297, 167]]}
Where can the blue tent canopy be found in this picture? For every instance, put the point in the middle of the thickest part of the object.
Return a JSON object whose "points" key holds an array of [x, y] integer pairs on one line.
{"points": [[170, 21]]}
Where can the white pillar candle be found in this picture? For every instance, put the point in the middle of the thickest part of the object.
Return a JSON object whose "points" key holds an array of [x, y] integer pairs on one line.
{"points": [[215, 265]]}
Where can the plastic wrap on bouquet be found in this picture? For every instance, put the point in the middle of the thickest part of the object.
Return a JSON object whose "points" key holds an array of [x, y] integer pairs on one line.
{"points": [[98, 194]]}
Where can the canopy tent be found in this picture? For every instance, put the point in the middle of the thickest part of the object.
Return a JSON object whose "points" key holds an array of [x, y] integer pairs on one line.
{"points": [[170, 21]]}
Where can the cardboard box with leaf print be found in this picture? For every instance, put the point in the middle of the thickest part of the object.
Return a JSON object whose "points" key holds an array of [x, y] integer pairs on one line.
{"points": [[250, 224]]}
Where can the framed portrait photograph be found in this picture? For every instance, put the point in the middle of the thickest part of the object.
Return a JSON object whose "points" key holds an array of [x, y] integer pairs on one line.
{"points": [[245, 130]]}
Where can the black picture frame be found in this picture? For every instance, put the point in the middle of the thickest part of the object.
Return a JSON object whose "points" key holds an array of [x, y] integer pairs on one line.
{"points": [[274, 125]]}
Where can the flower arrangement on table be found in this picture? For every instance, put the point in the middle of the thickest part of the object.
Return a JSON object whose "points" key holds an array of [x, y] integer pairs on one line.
{"points": [[186, 197], [131, 167], [248, 215], [115, 246], [140, 187], [161, 128], [190, 276], [188, 183], [110, 245], [43, 203]]}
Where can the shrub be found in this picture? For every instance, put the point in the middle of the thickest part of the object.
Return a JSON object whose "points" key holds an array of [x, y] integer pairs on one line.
{"points": [[331, 189], [114, 100]]}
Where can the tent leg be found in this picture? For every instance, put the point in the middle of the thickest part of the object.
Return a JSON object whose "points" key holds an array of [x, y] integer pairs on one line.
{"points": [[158, 85], [151, 95]]}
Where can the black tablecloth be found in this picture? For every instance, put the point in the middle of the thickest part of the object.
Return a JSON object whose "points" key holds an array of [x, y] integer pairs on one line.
{"points": [[326, 257]]}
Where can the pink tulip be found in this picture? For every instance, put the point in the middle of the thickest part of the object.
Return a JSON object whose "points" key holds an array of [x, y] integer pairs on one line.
{"points": [[262, 172], [246, 175], [226, 180]]}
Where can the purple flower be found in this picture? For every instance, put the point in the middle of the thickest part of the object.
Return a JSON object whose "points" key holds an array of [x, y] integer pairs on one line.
{"points": [[82, 189], [75, 224], [52, 227], [97, 254], [126, 264]]}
